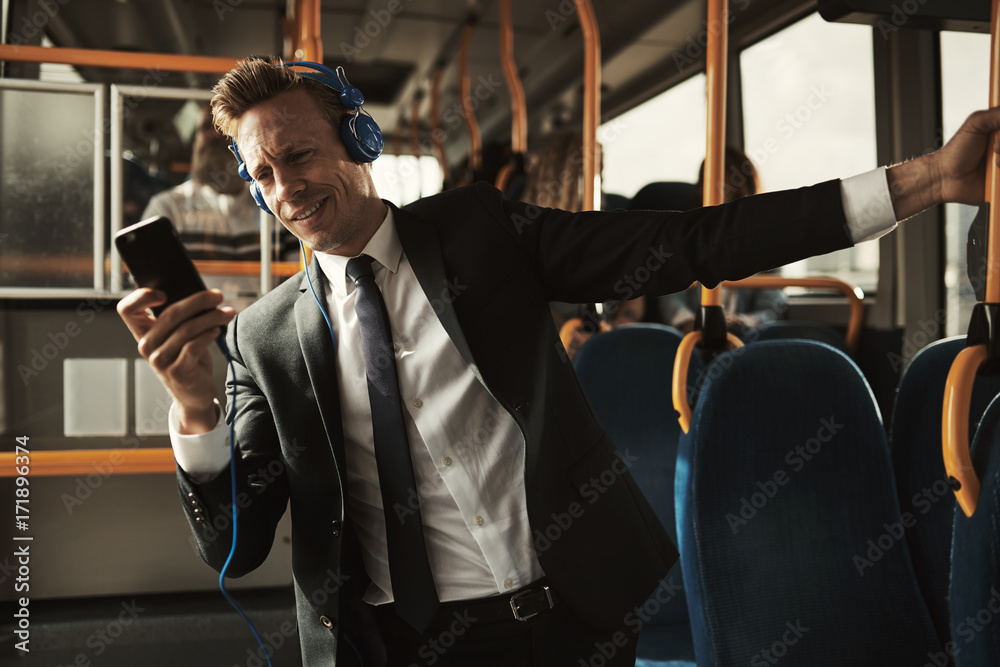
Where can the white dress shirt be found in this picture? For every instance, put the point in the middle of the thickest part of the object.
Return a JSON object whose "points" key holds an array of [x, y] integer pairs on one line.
{"points": [[468, 453]]}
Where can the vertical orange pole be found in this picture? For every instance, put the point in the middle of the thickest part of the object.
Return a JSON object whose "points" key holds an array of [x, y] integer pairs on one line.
{"points": [[591, 102], [992, 182], [958, 387], [418, 98], [518, 107], [715, 161], [475, 141], [397, 136], [308, 45], [436, 136]]}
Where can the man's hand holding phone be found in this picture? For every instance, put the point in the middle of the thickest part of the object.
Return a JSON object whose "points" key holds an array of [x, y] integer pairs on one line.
{"points": [[177, 345], [173, 318]]}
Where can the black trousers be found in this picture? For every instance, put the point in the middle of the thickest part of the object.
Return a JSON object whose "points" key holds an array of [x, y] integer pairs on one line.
{"points": [[554, 638]]}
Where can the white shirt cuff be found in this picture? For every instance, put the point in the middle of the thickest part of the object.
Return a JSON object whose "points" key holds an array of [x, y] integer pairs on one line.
{"points": [[867, 205], [202, 456]]}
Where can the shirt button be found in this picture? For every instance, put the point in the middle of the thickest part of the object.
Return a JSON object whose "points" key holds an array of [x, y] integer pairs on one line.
{"points": [[508, 582], [335, 528], [417, 403], [446, 460], [478, 520]]}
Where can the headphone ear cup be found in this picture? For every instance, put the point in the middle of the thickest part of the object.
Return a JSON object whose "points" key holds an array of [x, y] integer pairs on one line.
{"points": [[366, 145], [242, 169], [258, 197]]}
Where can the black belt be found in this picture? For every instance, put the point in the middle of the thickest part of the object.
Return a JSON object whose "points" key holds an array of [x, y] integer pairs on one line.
{"points": [[520, 605]]}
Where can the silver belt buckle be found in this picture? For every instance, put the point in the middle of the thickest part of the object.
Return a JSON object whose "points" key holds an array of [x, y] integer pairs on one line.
{"points": [[514, 608]]}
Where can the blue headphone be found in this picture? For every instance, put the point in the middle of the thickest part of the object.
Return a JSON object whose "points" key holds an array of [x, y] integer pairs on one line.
{"points": [[359, 131]]}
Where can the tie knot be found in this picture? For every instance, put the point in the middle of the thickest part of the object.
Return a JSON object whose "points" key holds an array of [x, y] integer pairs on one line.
{"points": [[359, 267]]}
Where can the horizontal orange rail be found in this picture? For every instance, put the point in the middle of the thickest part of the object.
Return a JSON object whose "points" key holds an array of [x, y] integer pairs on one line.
{"points": [[71, 264], [170, 62], [220, 267], [69, 462], [855, 297]]}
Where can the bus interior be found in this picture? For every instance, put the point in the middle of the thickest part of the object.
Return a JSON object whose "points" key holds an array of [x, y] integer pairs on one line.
{"points": [[100, 102]]}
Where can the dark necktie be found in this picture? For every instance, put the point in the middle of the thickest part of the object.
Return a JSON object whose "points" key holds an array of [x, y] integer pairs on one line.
{"points": [[413, 589]]}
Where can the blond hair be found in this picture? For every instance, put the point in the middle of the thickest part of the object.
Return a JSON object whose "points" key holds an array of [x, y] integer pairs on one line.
{"points": [[259, 78]]}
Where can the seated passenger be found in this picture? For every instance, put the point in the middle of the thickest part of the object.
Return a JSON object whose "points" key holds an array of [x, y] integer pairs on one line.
{"points": [[213, 211], [746, 309], [578, 330]]}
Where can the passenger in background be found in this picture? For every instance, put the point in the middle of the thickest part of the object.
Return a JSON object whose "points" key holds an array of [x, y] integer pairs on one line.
{"points": [[555, 180], [213, 211], [746, 309], [578, 330]]}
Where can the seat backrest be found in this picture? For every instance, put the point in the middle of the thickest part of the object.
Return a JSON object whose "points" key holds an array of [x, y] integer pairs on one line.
{"points": [[975, 558], [918, 465], [613, 202], [799, 330], [626, 375], [665, 196], [789, 527]]}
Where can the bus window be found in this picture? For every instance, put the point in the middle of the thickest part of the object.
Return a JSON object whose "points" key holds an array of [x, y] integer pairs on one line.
{"points": [[47, 202], [809, 116], [660, 140], [965, 73], [405, 178]]}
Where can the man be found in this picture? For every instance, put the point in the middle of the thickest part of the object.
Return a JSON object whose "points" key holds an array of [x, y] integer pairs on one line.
{"points": [[520, 493]]}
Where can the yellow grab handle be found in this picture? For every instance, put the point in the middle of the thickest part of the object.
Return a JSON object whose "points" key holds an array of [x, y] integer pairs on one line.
{"points": [[681, 364], [955, 425]]}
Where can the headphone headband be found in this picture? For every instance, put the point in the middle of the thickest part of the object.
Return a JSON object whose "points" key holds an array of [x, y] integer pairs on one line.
{"points": [[358, 130]]}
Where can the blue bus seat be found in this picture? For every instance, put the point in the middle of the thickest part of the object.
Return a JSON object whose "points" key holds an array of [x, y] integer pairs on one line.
{"points": [[788, 519], [626, 375], [613, 202], [918, 466], [799, 330], [975, 557]]}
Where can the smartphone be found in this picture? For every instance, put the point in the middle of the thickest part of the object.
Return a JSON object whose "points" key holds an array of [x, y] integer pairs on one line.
{"points": [[155, 256]]}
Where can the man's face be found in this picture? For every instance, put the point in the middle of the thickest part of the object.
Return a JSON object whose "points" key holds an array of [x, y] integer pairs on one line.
{"points": [[307, 178]]}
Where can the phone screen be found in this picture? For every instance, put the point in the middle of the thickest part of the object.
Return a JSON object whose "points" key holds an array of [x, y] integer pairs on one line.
{"points": [[155, 256]]}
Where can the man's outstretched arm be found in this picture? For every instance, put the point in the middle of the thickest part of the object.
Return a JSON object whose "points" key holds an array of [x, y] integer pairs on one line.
{"points": [[954, 173]]}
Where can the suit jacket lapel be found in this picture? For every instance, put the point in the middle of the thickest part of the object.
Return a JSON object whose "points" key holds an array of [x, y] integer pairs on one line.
{"points": [[320, 358], [422, 247]]}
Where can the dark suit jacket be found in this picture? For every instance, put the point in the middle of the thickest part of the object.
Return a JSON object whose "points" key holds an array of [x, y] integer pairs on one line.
{"points": [[489, 267]]}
